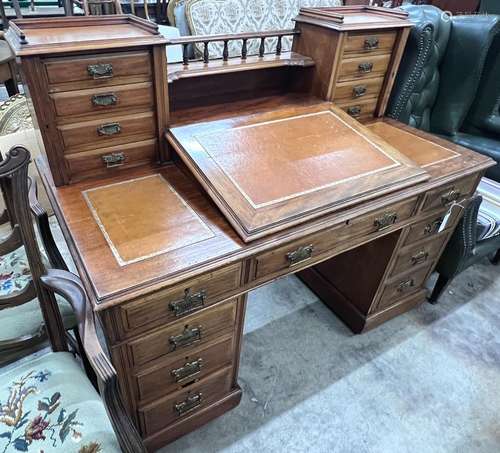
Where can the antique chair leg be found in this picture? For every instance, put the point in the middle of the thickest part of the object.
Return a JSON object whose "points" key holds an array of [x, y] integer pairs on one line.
{"points": [[441, 284]]}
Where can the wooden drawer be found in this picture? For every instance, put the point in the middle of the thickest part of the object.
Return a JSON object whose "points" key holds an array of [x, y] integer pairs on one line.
{"points": [[184, 371], [108, 132], [177, 302], [366, 42], [363, 67], [358, 89], [416, 255], [105, 99], [430, 227], [313, 247], [359, 109], [403, 285], [90, 163], [99, 69], [445, 196], [158, 415], [182, 337]]}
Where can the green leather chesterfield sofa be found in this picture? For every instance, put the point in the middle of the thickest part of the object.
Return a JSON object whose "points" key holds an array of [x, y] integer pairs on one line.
{"points": [[449, 79]]}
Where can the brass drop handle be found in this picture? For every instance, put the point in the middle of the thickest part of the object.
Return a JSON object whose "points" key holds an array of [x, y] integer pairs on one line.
{"points": [[187, 371], [189, 336], [365, 67], [419, 257], [371, 43], [403, 286], [301, 254], [432, 227], [385, 221], [113, 159], [449, 197], [354, 111], [109, 129], [359, 91], [104, 100], [189, 404], [100, 70], [190, 302]]}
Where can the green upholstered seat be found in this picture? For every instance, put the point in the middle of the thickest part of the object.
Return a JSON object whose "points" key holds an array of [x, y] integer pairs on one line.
{"points": [[23, 321], [50, 405]]}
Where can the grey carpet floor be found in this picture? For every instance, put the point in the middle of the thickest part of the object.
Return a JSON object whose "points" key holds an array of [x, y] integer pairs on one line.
{"points": [[427, 381]]}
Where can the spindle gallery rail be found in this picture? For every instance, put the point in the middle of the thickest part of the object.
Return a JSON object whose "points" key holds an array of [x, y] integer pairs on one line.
{"points": [[185, 41]]}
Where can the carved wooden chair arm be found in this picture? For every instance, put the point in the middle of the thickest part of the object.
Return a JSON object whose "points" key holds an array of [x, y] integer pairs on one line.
{"points": [[70, 287], [42, 222]]}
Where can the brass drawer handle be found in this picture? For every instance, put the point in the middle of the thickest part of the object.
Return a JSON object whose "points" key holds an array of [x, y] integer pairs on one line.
{"points": [[100, 70], [371, 43], [354, 111], [104, 100], [365, 67], [359, 91], [403, 286], [433, 227], [189, 303], [419, 257], [385, 221], [189, 404], [448, 197], [301, 254], [113, 159], [188, 370], [189, 336], [109, 129]]}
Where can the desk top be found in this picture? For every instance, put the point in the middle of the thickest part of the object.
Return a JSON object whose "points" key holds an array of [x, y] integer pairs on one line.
{"points": [[270, 171], [173, 231]]}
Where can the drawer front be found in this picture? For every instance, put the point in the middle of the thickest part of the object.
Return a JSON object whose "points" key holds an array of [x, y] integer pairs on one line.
{"points": [[105, 160], [179, 301], [157, 416], [403, 285], [366, 42], [363, 67], [416, 255], [182, 337], [445, 196], [107, 132], [107, 99], [359, 109], [99, 69], [430, 227], [184, 371], [358, 89], [309, 249]]}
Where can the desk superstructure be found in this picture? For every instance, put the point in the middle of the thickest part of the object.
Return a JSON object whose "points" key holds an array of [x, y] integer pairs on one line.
{"points": [[181, 187]]}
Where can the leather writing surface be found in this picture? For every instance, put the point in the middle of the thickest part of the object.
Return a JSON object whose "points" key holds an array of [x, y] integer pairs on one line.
{"points": [[144, 217], [283, 159], [269, 171]]}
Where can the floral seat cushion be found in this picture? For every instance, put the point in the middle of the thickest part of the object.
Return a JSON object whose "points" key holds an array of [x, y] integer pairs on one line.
{"points": [[24, 320], [489, 212], [49, 405]]}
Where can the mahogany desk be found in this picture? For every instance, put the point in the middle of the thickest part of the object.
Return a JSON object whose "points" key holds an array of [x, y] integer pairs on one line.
{"points": [[167, 232]]}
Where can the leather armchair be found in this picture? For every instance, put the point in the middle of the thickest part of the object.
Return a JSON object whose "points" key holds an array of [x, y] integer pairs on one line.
{"points": [[448, 79]]}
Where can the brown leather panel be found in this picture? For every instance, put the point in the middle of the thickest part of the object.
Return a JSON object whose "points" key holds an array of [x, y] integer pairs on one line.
{"points": [[154, 219], [282, 159], [418, 149]]}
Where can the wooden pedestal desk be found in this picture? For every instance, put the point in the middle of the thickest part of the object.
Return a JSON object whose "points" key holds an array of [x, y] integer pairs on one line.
{"points": [[176, 202]]}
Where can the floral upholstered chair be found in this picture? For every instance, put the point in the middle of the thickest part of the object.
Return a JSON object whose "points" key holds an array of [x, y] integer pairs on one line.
{"points": [[50, 404]]}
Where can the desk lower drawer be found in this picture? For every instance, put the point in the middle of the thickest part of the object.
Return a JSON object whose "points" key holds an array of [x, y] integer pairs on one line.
{"points": [[184, 371], [158, 415], [179, 339], [358, 89], [313, 247]]}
